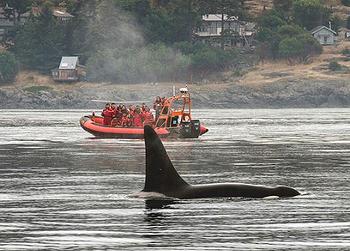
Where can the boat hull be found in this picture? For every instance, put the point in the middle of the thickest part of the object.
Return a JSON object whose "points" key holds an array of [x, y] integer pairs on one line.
{"points": [[94, 126]]}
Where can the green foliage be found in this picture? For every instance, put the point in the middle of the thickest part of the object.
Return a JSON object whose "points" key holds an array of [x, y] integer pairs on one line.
{"points": [[334, 66], [20, 7], [290, 48], [8, 67], [284, 6], [337, 23], [205, 58], [212, 59], [346, 52], [289, 30], [310, 13], [40, 43], [271, 20], [348, 22], [279, 37], [299, 47], [345, 2]]}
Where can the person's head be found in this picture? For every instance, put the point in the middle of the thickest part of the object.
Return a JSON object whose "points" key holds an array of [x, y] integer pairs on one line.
{"points": [[143, 104], [107, 105], [147, 109]]}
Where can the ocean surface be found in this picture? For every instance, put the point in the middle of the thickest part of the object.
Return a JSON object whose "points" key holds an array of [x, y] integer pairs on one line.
{"points": [[62, 189]]}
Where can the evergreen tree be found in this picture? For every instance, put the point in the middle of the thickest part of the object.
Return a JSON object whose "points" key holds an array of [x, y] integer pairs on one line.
{"points": [[8, 67], [310, 13], [40, 42], [19, 6]]}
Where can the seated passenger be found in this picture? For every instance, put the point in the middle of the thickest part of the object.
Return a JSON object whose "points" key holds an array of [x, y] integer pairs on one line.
{"points": [[148, 118], [137, 118], [125, 120], [107, 114]]}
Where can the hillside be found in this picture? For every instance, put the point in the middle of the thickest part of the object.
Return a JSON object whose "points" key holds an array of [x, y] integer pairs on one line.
{"points": [[256, 7], [268, 85]]}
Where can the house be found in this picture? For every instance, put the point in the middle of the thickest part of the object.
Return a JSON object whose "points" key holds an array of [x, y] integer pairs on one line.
{"points": [[68, 70], [324, 35], [239, 33], [62, 15]]}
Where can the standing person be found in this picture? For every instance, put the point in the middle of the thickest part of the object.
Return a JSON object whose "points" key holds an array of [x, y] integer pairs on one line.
{"points": [[157, 106], [107, 114]]}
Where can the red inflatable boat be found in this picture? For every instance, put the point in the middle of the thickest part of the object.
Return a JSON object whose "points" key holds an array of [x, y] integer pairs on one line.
{"points": [[174, 120]]}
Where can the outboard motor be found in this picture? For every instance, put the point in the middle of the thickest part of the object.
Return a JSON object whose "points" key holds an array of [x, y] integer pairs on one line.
{"points": [[190, 129]]}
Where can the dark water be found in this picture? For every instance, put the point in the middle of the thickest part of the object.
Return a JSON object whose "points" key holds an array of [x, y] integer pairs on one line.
{"points": [[61, 189]]}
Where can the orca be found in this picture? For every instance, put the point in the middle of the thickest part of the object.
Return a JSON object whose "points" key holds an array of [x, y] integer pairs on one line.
{"points": [[162, 178]]}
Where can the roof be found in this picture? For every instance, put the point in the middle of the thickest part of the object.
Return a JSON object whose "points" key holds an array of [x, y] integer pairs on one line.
{"points": [[217, 17], [68, 63], [318, 28], [59, 13]]}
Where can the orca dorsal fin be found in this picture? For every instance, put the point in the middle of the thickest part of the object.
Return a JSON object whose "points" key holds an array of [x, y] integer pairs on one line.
{"points": [[161, 175]]}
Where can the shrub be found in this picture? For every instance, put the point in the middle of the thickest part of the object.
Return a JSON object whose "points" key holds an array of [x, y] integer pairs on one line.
{"points": [[334, 66], [346, 52], [210, 59], [345, 2], [8, 67], [290, 48]]}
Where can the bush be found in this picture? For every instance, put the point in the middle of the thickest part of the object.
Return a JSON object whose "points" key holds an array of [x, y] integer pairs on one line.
{"points": [[346, 52], [212, 59], [8, 67], [290, 48], [334, 66], [345, 2]]}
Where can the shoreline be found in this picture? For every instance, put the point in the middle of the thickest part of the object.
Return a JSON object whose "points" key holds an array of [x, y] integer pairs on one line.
{"points": [[302, 93]]}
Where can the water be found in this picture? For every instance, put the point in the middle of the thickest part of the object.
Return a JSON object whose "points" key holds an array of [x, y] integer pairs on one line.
{"points": [[60, 188]]}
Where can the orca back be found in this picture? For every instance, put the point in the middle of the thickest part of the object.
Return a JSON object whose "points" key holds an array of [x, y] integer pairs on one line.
{"points": [[161, 175]]}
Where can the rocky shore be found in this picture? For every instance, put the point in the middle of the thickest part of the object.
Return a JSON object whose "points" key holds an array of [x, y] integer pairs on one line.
{"points": [[282, 94]]}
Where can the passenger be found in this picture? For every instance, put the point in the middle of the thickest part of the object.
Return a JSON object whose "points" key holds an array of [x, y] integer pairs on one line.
{"points": [[131, 110], [107, 114], [143, 107], [125, 120], [118, 116], [148, 118], [137, 118], [157, 106]]}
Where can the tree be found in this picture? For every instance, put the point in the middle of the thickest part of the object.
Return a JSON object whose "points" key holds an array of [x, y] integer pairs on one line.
{"points": [[284, 7], [290, 48], [310, 13], [8, 67], [19, 6], [40, 42], [271, 20], [299, 47]]}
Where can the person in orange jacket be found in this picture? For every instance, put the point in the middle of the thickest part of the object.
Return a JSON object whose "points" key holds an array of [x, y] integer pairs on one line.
{"points": [[137, 118], [147, 117], [107, 114]]}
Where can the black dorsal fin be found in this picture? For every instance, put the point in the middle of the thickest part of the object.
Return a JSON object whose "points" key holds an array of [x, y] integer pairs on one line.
{"points": [[161, 175]]}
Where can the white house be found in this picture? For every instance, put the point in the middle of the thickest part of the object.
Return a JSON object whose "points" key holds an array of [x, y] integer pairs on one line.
{"points": [[211, 28], [324, 35]]}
